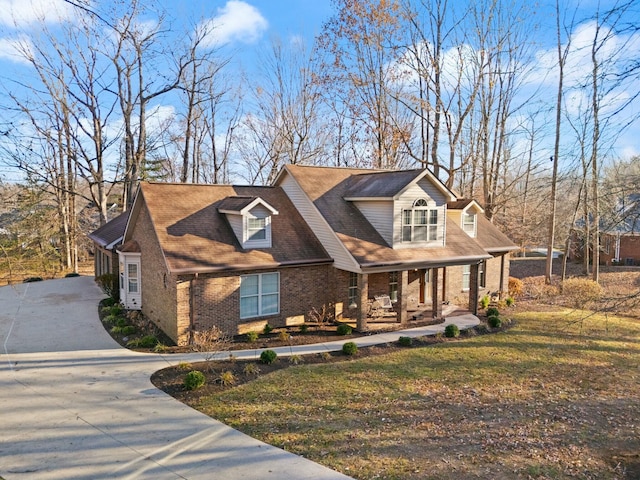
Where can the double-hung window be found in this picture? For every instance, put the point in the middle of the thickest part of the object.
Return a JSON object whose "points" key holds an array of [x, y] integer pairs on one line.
{"points": [[353, 290], [420, 224], [259, 295], [469, 224], [393, 286], [466, 277]]}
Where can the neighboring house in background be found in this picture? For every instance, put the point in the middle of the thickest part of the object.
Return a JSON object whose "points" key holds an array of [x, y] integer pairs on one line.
{"points": [[106, 241], [200, 256]]}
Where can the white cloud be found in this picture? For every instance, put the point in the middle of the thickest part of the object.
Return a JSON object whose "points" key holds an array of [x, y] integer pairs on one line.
{"points": [[16, 50], [236, 21], [21, 13]]}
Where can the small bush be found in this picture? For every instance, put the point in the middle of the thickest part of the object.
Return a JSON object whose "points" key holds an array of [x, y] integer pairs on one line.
{"points": [[516, 287], [344, 329], [350, 348], [510, 301], [112, 319], [121, 322], [326, 356], [128, 330], [184, 366], [492, 311], [304, 328], [148, 341], [116, 329], [116, 309], [267, 329], [268, 356], [108, 302], [251, 369], [494, 321], [451, 331], [72, 274], [405, 341], [194, 380], [252, 337], [580, 292], [284, 336], [295, 359], [485, 301], [227, 378], [481, 329], [110, 285]]}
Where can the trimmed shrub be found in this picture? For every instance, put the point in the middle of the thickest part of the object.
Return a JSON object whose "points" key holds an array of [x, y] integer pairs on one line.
{"points": [[252, 337], [227, 378], [32, 279], [304, 328], [121, 322], [494, 321], [451, 331], [116, 309], [148, 341], [485, 301], [492, 311], [128, 330], [108, 302], [193, 380], [350, 348], [481, 329], [268, 356], [344, 329], [580, 292], [510, 302], [110, 319], [110, 285], [267, 329], [516, 287], [405, 341], [72, 274], [184, 366], [326, 356]]}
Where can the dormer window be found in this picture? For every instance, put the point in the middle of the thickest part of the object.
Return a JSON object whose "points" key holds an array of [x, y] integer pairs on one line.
{"points": [[250, 219], [420, 223], [469, 224]]}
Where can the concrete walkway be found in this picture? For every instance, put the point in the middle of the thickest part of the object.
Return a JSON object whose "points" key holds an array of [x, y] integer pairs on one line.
{"points": [[75, 405]]}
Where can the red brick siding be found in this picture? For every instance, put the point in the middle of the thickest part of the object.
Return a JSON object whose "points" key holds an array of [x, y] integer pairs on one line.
{"points": [[158, 289], [216, 298], [455, 293]]}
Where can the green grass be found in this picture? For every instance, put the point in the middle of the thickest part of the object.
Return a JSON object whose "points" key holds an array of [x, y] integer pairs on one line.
{"points": [[554, 397]]}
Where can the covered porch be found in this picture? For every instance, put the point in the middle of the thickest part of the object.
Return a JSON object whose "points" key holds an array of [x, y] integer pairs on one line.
{"points": [[415, 294]]}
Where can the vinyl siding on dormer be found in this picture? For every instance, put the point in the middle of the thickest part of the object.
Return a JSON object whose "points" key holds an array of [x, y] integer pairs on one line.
{"points": [[423, 189], [379, 213]]}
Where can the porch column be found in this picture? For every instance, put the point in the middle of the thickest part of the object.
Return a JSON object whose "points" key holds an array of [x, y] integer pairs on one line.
{"points": [[502, 265], [445, 294], [436, 301], [473, 289], [363, 288], [403, 294]]}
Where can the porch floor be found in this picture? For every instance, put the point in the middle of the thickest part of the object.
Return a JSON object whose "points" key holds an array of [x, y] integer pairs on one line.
{"points": [[417, 315]]}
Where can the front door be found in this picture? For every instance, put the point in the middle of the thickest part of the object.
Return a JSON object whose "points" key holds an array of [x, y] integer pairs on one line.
{"points": [[130, 292]]}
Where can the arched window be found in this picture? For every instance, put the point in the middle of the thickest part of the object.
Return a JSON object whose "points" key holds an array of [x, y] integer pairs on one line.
{"points": [[420, 223]]}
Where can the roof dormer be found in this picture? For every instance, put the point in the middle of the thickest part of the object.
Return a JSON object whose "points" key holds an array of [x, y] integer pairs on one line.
{"points": [[250, 219], [465, 213]]}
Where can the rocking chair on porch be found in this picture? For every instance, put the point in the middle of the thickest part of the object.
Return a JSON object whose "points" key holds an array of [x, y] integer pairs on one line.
{"points": [[380, 305]]}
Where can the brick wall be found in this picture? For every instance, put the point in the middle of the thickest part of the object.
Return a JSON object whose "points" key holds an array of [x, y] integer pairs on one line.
{"points": [[216, 298], [455, 293], [158, 288]]}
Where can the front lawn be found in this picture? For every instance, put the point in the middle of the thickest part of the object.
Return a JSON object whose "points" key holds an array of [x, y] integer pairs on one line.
{"points": [[553, 397]]}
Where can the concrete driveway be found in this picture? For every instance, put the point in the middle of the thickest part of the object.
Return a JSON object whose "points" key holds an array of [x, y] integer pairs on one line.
{"points": [[74, 405]]}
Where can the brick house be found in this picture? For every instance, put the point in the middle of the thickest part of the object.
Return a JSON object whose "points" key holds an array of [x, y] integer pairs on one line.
{"points": [[198, 256], [106, 240]]}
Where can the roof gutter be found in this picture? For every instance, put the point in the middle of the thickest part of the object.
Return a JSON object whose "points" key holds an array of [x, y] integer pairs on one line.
{"points": [[238, 268]]}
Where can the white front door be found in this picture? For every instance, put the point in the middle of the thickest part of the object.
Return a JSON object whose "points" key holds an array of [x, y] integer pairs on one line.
{"points": [[130, 291]]}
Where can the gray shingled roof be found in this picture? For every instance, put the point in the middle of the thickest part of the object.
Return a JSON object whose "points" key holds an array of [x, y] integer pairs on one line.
{"points": [[111, 232]]}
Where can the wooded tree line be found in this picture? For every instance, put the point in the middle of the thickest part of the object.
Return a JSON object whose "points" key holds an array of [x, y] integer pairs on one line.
{"points": [[461, 89]]}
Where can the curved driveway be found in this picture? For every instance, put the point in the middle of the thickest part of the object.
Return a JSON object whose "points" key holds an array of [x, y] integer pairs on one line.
{"points": [[75, 405]]}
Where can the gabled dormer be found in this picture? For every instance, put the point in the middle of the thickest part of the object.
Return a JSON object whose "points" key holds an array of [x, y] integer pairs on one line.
{"points": [[250, 219], [407, 208], [465, 214]]}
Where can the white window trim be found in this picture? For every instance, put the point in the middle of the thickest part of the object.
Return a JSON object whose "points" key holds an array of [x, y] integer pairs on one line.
{"points": [[474, 225], [466, 273], [259, 295], [421, 205], [260, 243]]}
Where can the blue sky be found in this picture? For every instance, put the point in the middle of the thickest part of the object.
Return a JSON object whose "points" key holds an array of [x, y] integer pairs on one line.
{"points": [[246, 28]]}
